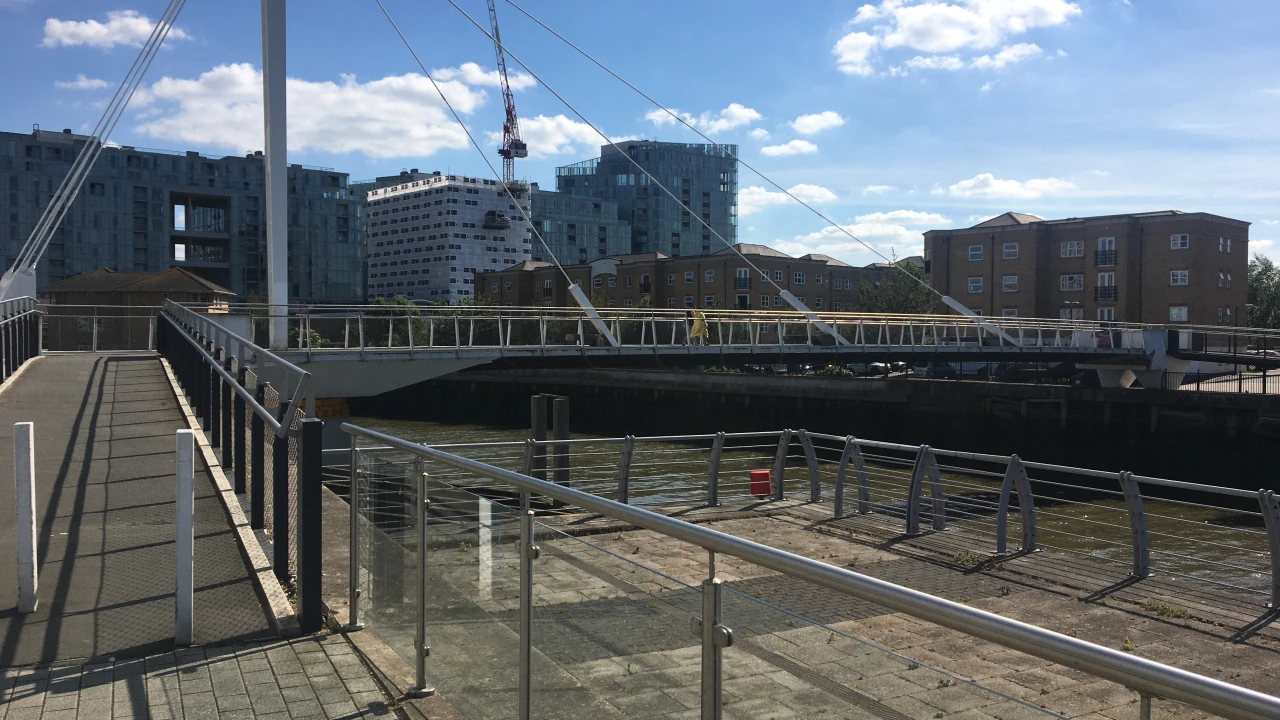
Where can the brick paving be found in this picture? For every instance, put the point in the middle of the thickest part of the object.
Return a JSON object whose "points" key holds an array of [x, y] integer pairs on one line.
{"points": [[312, 677]]}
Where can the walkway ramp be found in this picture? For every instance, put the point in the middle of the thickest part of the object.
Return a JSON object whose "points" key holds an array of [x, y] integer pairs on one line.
{"points": [[104, 434]]}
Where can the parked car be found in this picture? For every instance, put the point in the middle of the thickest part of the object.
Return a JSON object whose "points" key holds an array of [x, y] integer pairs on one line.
{"points": [[934, 371], [867, 368]]}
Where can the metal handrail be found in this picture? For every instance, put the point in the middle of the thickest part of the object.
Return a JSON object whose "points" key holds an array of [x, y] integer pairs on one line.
{"points": [[1144, 676], [185, 319]]}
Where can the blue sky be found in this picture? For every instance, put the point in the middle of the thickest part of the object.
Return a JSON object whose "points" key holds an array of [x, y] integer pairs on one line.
{"points": [[892, 117]]}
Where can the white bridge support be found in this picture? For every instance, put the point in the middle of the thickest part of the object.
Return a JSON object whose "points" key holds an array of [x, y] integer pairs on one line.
{"points": [[277, 169]]}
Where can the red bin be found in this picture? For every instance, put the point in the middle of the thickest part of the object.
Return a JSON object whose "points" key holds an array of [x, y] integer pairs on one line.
{"points": [[761, 483]]}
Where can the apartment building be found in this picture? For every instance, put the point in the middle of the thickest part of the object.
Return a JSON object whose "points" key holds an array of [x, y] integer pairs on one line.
{"points": [[722, 280], [1155, 267], [150, 210], [702, 178], [429, 239]]}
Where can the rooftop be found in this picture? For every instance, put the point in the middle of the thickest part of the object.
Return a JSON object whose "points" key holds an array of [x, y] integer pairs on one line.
{"points": [[106, 280]]}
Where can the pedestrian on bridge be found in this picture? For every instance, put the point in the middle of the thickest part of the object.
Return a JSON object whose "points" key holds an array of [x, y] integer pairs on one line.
{"points": [[699, 330]]}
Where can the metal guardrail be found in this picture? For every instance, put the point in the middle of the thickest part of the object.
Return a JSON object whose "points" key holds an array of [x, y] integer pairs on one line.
{"points": [[19, 334], [1150, 679], [98, 328]]}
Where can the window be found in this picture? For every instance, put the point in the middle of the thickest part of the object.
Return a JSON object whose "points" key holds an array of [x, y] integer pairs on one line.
{"points": [[671, 279], [1071, 283], [612, 281], [709, 276], [764, 301], [1219, 316], [798, 278], [1072, 248], [777, 301], [688, 301], [1106, 314], [1179, 277], [742, 274], [671, 302], [688, 277], [1177, 313], [975, 252], [1106, 243], [595, 282], [1179, 241], [975, 285], [626, 281], [777, 276], [1009, 283], [1009, 312], [1228, 246], [507, 286], [1222, 244], [1011, 251], [1222, 279], [1228, 316], [1106, 279], [709, 301], [1228, 279], [817, 278], [626, 303], [1071, 313]]}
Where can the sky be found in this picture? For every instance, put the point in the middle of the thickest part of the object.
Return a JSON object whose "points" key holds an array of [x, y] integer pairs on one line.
{"points": [[891, 117]]}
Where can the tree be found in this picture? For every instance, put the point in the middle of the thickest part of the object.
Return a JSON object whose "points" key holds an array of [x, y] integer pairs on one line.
{"points": [[1264, 293], [897, 289]]}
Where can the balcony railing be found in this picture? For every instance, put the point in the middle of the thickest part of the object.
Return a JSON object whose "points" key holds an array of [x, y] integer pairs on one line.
{"points": [[1105, 292], [1104, 258], [742, 283]]}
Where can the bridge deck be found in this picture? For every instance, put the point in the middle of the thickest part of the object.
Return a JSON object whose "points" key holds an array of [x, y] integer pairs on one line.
{"points": [[104, 432]]}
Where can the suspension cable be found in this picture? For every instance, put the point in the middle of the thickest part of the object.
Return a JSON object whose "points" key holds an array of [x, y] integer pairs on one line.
{"points": [[676, 116]]}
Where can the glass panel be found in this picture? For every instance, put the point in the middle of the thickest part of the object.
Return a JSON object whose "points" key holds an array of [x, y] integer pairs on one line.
{"points": [[784, 665], [610, 636], [386, 493]]}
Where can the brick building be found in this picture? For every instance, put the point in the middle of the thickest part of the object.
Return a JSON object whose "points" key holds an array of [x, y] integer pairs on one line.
{"points": [[657, 280], [1156, 267]]}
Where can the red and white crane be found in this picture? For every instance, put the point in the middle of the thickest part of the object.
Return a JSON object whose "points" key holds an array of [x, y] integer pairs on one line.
{"points": [[512, 146]]}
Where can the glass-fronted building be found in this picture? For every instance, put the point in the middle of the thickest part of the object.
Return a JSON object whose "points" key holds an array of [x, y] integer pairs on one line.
{"points": [[150, 210], [703, 178], [576, 229]]}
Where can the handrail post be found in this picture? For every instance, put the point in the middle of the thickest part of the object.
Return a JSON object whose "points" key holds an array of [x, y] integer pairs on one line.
{"points": [[925, 467], [24, 470], [624, 469], [184, 546], [528, 553], [780, 463], [1271, 520], [353, 547], [811, 457], [715, 637], [225, 403], [237, 430], [310, 534], [560, 431], [538, 424], [1015, 479], [1137, 525], [215, 412], [257, 464], [280, 499], [852, 454], [713, 474], [421, 688]]}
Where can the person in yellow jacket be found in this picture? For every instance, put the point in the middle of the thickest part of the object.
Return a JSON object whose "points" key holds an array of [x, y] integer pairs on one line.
{"points": [[699, 330]]}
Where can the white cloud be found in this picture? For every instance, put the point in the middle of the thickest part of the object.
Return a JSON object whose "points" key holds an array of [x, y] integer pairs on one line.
{"points": [[904, 217], [975, 219], [1261, 245], [817, 122], [935, 62], [753, 199], [81, 83], [941, 27], [472, 74], [986, 86], [852, 51], [877, 189], [13, 4], [1062, 53], [1006, 56], [986, 185], [795, 147], [123, 27], [394, 116], [556, 135], [889, 238], [735, 115], [759, 134]]}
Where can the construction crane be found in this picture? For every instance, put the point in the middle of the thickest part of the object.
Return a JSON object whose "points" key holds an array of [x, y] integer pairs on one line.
{"points": [[512, 146]]}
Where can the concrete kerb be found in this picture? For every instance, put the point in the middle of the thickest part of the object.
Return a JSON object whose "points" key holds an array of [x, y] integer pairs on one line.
{"points": [[284, 619], [8, 383]]}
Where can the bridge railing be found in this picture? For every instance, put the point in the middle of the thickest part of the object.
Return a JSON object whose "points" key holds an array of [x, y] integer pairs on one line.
{"points": [[500, 503], [1211, 536], [98, 328], [19, 334], [394, 327]]}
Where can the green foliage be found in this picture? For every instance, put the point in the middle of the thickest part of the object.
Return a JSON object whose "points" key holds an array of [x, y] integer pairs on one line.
{"points": [[725, 370], [896, 291], [831, 371], [1264, 293]]}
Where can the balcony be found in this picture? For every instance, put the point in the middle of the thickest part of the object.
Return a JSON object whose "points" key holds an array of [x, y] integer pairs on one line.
{"points": [[742, 283], [1106, 292], [1104, 258]]}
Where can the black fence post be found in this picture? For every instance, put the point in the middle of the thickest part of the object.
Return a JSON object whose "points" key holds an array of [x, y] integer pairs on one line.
{"points": [[215, 412], [227, 443], [310, 535], [237, 433], [257, 460], [280, 495]]}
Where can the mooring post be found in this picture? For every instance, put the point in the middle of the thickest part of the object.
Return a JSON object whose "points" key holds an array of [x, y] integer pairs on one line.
{"points": [[24, 471]]}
